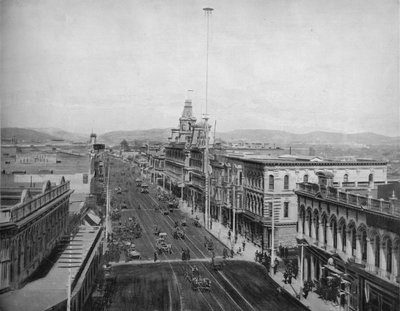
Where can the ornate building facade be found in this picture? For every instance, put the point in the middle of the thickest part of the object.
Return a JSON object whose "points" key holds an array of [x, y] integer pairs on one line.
{"points": [[31, 224], [254, 193], [362, 236]]}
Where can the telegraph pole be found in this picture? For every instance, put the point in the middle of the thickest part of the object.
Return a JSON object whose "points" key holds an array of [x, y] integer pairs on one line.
{"points": [[208, 12]]}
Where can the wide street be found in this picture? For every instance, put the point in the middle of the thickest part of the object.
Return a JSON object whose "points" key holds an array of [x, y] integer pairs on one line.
{"points": [[164, 285]]}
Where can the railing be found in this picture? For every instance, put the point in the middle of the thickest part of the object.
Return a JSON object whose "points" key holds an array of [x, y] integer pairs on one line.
{"points": [[23, 210], [391, 207]]}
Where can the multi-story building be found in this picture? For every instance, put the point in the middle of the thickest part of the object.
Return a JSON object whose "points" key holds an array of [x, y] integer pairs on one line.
{"points": [[32, 221], [184, 159], [255, 193], [352, 244]]}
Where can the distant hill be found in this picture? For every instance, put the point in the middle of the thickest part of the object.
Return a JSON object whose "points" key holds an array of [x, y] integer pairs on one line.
{"points": [[115, 137], [68, 136], [26, 135], [318, 137]]}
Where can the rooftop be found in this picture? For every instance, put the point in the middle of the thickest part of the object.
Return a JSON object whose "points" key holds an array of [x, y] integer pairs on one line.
{"points": [[51, 290]]}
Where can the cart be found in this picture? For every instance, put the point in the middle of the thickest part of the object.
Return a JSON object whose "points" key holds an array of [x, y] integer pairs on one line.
{"points": [[217, 263]]}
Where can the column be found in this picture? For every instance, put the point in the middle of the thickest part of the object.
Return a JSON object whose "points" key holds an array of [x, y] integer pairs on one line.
{"points": [[395, 261], [300, 226], [358, 248], [349, 239], [339, 240], [370, 253], [305, 268], [320, 233], [313, 228], [306, 224], [382, 259], [329, 238], [312, 267]]}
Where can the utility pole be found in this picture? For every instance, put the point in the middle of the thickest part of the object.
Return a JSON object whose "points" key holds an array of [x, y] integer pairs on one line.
{"points": [[208, 12], [301, 269]]}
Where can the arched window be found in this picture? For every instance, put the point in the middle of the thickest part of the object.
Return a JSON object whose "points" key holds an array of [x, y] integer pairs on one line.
{"points": [[345, 178], [309, 219], [353, 241], [343, 233], [389, 256], [286, 182], [334, 232], [271, 182], [305, 178], [364, 245], [377, 251], [371, 177]]}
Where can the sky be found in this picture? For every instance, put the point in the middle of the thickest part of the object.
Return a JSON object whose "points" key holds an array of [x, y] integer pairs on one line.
{"points": [[293, 65]]}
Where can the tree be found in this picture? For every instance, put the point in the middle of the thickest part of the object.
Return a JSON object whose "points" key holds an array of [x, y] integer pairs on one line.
{"points": [[124, 145]]}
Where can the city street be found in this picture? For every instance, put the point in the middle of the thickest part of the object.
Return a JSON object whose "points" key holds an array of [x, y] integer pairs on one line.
{"points": [[164, 285]]}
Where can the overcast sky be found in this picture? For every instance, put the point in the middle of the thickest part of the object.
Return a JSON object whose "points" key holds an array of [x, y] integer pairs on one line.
{"points": [[295, 65]]}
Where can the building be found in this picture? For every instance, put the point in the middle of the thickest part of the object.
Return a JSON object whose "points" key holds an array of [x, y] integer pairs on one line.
{"points": [[351, 244], [184, 159], [32, 222], [256, 194]]}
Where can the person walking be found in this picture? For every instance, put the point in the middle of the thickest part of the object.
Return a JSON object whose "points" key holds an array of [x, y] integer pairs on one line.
{"points": [[244, 245], [276, 264], [155, 256]]}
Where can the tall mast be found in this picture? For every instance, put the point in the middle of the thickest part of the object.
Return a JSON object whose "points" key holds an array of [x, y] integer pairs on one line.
{"points": [[208, 12]]}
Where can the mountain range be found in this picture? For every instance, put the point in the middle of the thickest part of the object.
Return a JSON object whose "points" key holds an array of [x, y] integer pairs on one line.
{"points": [[161, 135]]}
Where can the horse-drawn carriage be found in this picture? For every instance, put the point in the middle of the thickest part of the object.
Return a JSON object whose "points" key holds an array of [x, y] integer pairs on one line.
{"points": [[197, 282], [162, 246], [217, 263], [178, 233], [196, 222], [208, 243]]}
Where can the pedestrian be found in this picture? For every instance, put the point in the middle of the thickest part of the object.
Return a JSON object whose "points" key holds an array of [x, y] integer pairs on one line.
{"points": [[290, 278], [286, 252], [225, 253], [229, 234], [280, 250], [305, 292], [256, 256], [232, 252], [276, 264], [236, 238], [244, 244], [155, 256]]}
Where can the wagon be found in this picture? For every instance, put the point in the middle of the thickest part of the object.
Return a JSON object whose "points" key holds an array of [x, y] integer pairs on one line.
{"points": [[163, 247], [217, 263], [201, 284], [178, 233]]}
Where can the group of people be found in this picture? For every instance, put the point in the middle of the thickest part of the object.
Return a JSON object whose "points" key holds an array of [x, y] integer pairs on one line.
{"points": [[283, 251], [291, 271], [185, 254]]}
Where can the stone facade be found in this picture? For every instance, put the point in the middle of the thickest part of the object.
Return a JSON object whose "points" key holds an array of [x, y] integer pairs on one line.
{"points": [[361, 235]]}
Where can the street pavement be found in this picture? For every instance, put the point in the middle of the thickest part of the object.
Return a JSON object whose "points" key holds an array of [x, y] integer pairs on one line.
{"points": [[313, 301]]}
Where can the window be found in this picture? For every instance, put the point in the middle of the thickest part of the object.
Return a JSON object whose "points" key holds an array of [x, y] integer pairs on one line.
{"points": [[371, 178], [377, 251], [305, 178], [286, 182], [345, 178], [286, 209], [271, 182], [389, 256]]}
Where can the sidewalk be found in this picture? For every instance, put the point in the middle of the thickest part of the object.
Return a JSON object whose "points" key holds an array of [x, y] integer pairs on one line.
{"points": [[313, 302]]}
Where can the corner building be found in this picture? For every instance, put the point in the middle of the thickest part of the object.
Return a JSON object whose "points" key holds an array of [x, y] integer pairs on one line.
{"points": [[360, 235], [251, 193]]}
